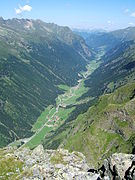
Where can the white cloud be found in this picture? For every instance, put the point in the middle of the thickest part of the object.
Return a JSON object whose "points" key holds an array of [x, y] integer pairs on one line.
{"points": [[26, 8], [133, 14], [126, 11], [131, 24], [22, 9], [109, 22], [18, 11]]}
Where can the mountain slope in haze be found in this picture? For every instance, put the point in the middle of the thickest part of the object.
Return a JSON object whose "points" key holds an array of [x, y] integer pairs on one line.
{"points": [[117, 69], [35, 57], [117, 65], [86, 33], [107, 40], [99, 39]]}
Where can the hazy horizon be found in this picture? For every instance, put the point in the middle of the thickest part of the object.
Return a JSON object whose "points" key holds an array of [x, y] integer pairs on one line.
{"points": [[73, 28], [78, 14]]}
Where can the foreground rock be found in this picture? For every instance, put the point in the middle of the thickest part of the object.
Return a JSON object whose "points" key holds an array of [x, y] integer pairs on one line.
{"points": [[61, 165], [50, 164], [120, 166]]}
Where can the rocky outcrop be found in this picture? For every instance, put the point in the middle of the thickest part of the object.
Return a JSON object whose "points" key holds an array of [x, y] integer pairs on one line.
{"points": [[61, 165], [120, 166], [51, 165], [117, 167]]}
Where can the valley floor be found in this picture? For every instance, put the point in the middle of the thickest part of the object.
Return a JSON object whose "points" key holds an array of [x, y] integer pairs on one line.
{"points": [[55, 115]]}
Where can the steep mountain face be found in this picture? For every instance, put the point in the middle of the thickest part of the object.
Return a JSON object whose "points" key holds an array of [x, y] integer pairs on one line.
{"points": [[117, 69], [102, 40], [118, 63], [86, 33], [106, 128], [107, 40], [127, 34], [35, 57], [109, 125]]}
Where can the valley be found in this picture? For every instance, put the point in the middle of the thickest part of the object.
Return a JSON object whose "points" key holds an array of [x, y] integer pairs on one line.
{"points": [[55, 115], [37, 59], [67, 90]]}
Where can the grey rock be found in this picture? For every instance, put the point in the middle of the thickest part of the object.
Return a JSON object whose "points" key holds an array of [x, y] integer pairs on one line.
{"points": [[40, 164], [120, 166]]}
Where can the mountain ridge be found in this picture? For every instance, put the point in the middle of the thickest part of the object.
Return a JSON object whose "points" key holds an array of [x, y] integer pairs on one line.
{"points": [[40, 61]]}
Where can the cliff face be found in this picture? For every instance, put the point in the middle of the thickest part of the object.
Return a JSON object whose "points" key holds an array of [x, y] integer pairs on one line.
{"points": [[60, 164]]}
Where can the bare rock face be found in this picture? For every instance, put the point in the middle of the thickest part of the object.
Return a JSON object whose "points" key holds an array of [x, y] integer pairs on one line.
{"points": [[54, 165], [120, 166], [61, 165]]}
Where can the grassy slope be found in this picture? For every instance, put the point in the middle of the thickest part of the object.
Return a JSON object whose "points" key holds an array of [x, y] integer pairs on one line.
{"points": [[10, 167], [105, 128]]}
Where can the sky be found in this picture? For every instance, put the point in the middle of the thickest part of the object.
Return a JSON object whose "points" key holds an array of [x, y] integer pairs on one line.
{"points": [[81, 14]]}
